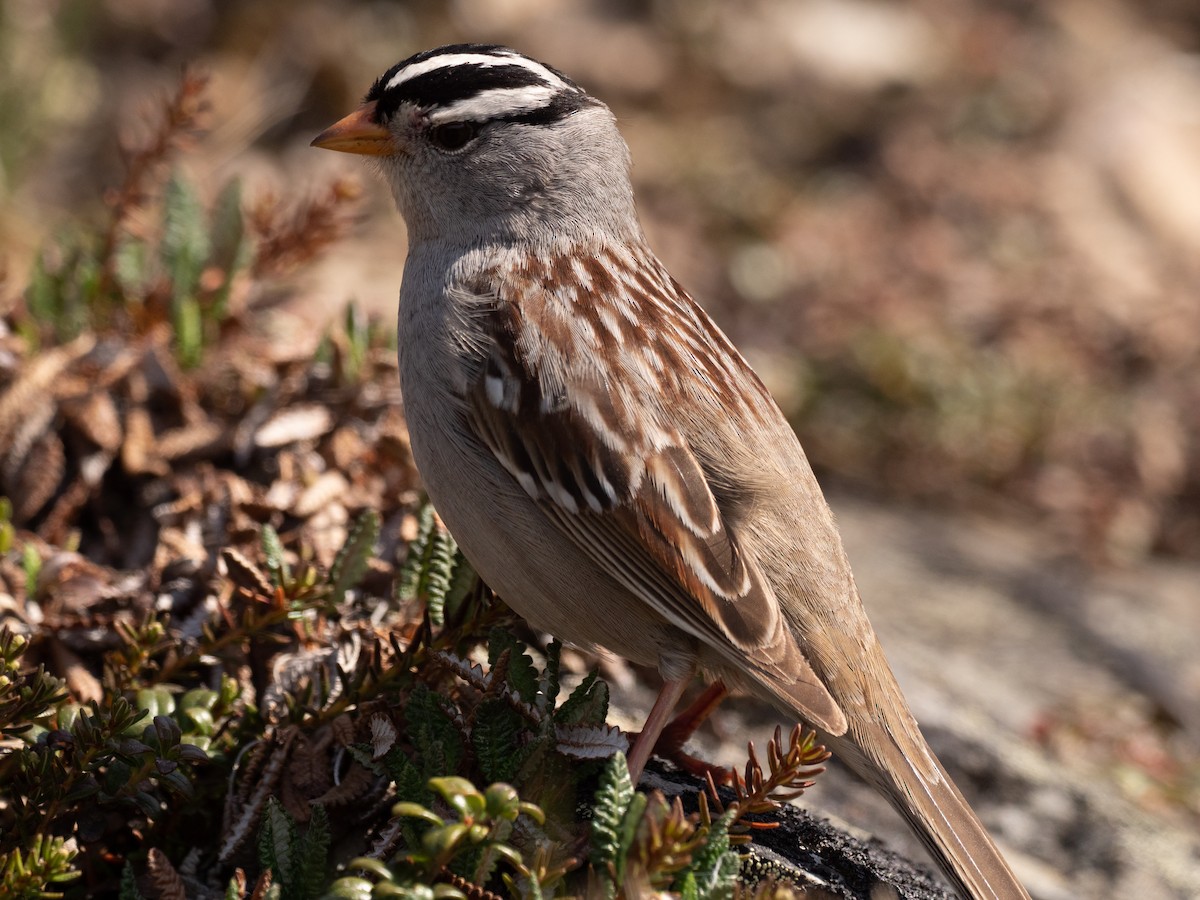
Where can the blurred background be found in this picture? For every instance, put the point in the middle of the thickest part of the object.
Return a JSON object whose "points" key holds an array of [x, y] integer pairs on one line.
{"points": [[959, 240]]}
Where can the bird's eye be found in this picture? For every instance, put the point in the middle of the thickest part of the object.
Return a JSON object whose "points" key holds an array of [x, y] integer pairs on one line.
{"points": [[452, 135]]}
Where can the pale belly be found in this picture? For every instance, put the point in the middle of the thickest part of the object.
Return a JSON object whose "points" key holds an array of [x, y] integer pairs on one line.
{"points": [[517, 551]]}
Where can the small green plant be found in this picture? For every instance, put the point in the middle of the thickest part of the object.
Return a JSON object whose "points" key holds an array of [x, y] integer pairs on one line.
{"points": [[640, 842], [459, 849], [193, 270], [434, 573], [47, 862]]}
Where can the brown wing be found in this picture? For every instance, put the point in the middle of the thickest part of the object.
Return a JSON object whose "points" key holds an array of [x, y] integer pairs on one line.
{"points": [[596, 446]]}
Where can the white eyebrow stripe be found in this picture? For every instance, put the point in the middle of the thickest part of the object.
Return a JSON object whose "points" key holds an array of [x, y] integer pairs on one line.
{"points": [[496, 102], [482, 59]]}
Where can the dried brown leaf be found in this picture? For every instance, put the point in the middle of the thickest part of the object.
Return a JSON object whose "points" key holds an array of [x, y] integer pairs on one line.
{"points": [[347, 447], [473, 891], [32, 390], [95, 416], [179, 544], [165, 882], [296, 423], [293, 798], [355, 783], [246, 574], [261, 886], [310, 768], [83, 685], [289, 237], [326, 531], [38, 477], [389, 839], [239, 882], [342, 730], [383, 736], [65, 512], [327, 487], [181, 119], [240, 826], [138, 452], [204, 436]]}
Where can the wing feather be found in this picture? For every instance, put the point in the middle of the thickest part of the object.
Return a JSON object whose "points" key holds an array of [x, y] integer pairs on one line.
{"points": [[599, 454]]}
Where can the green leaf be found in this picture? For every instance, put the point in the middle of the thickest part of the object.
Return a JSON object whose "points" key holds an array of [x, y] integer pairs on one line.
{"points": [[615, 801], [7, 531], [198, 698], [496, 740], [130, 263], [410, 783], [31, 562], [46, 861], [409, 582], [715, 866], [156, 701], [433, 733], [350, 564], [279, 843], [462, 583], [273, 552], [166, 731], [587, 705], [434, 570], [188, 321], [129, 890], [358, 340], [548, 685], [443, 558], [416, 811], [43, 295], [230, 250], [522, 675], [461, 795], [314, 854], [185, 245], [178, 782], [149, 804], [349, 888]]}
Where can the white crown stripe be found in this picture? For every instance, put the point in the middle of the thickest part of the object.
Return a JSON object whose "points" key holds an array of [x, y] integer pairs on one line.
{"points": [[449, 60], [496, 102]]}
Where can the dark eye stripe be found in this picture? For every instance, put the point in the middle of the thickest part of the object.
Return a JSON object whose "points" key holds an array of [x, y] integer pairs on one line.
{"points": [[558, 108]]}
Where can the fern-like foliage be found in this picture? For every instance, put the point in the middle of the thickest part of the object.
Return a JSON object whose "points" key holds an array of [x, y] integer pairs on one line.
{"points": [[435, 572], [350, 564], [792, 770], [615, 817], [297, 859]]}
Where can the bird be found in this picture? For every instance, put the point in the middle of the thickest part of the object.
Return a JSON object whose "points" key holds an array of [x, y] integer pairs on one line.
{"points": [[606, 459]]}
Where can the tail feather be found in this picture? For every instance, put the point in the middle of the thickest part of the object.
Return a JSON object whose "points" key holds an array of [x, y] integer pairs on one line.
{"points": [[919, 788]]}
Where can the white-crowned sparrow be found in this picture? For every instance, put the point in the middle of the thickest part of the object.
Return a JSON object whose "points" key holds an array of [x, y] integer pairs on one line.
{"points": [[605, 457]]}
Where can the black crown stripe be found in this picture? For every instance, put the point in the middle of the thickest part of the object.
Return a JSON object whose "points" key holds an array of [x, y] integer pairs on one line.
{"points": [[442, 87], [445, 86]]}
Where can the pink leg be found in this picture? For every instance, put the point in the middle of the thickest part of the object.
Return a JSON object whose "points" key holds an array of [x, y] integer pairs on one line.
{"points": [[683, 726], [660, 713]]}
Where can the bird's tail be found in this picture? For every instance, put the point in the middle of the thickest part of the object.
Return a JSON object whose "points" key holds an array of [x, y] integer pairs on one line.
{"points": [[905, 770]]}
